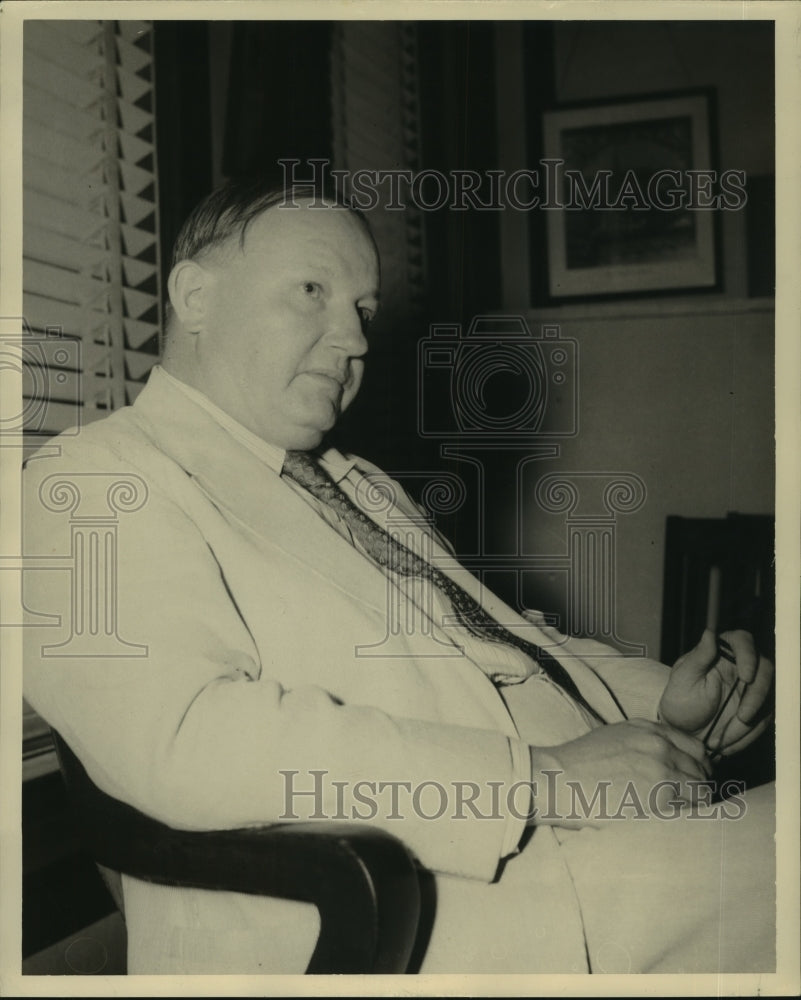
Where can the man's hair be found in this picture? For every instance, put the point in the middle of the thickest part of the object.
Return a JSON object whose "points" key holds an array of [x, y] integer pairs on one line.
{"points": [[229, 210]]}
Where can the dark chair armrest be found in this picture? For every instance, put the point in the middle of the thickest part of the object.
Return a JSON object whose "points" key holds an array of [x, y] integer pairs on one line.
{"points": [[362, 880]]}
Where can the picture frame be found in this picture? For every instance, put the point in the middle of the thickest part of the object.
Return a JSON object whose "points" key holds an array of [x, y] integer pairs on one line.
{"points": [[634, 196]]}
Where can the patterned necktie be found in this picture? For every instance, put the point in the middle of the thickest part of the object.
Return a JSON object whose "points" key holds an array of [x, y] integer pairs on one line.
{"points": [[397, 558]]}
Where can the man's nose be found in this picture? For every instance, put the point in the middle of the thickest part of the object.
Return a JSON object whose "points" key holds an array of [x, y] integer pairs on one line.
{"points": [[346, 332]]}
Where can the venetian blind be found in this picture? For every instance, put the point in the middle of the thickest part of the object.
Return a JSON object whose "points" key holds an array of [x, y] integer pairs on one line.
{"points": [[91, 296]]}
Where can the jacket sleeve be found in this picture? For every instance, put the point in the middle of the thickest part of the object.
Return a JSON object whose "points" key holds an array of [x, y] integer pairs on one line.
{"points": [[635, 682], [164, 701]]}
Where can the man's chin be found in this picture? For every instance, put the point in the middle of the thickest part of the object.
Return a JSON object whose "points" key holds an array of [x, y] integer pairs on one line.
{"points": [[306, 437], [307, 426], [307, 443]]}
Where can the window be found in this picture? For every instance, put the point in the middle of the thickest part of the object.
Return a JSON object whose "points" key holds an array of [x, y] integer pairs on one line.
{"points": [[90, 225], [91, 276]]}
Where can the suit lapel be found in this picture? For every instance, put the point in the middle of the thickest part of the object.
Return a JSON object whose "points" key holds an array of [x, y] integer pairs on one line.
{"points": [[250, 492], [588, 682]]}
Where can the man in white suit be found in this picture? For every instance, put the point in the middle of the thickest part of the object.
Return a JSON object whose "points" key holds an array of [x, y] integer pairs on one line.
{"points": [[248, 595]]}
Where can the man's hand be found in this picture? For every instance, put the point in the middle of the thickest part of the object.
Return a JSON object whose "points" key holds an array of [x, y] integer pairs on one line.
{"points": [[701, 682], [617, 771]]}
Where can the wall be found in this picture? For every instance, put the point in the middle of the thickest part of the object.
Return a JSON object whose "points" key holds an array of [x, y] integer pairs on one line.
{"points": [[608, 59], [685, 402], [675, 390], [605, 59], [678, 390]]}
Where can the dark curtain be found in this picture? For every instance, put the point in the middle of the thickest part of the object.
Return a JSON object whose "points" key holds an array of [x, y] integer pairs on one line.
{"points": [[457, 90], [279, 97], [183, 127]]}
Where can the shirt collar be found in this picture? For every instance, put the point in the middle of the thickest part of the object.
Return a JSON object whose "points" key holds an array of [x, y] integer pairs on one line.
{"points": [[270, 454], [335, 463]]}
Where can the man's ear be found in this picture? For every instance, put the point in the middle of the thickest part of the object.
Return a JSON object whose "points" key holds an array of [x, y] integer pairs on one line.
{"points": [[188, 286]]}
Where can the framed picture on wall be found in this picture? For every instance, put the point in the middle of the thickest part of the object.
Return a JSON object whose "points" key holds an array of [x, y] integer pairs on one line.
{"points": [[633, 196]]}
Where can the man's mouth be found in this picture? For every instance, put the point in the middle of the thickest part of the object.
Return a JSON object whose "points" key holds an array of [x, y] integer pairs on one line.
{"points": [[333, 378]]}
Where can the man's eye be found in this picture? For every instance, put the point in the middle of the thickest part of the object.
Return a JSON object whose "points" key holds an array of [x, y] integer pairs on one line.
{"points": [[311, 288], [366, 316]]}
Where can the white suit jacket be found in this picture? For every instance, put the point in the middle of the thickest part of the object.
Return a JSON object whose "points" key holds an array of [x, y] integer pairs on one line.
{"points": [[249, 610]]}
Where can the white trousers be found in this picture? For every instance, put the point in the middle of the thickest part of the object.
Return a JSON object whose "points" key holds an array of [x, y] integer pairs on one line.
{"points": [[684, 895]]}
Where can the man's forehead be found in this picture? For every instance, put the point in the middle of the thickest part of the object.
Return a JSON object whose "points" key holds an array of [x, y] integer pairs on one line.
{"points": [[329, 237], [310, 223]]}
